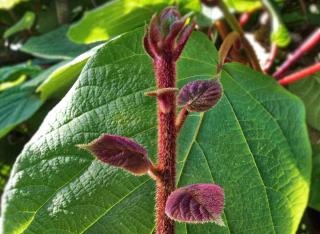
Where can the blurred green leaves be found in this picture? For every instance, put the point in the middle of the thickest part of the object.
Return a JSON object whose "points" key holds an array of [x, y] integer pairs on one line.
{"points": [[54, 45], [114, 18], [10, 73], [279, 35], [7, 4], [243, 5], [24, 23]]}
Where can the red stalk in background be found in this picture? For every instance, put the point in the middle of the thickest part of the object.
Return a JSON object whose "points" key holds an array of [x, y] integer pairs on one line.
{"points": [[244, 18], [272, 57], [300, 74], [311, 42]]}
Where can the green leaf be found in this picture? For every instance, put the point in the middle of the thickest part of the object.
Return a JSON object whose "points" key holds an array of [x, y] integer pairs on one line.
{"points": [[65, 75], [8, 4], [308, 90], [113, 18], [314, 200], [10, 73], [24, 23], [243, 5], [54, 45], [253, 144], [17, 105], [280, 35], [20, 103]]}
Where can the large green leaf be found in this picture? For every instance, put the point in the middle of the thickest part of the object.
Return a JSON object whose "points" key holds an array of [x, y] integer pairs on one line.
{"points": [[254, 144], [54, 45], [24, 23], [314, 200], [308, 90]]}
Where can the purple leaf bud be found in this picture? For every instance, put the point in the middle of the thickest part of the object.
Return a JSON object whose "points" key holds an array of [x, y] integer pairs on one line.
{"points": [[200, 95], [121, 152], [167, 34], [197, 203]]}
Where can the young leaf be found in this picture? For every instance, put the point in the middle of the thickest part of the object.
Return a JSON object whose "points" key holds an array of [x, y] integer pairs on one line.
{"points": [[121, 152], [200, 95], [197, 203], [167, 34]]}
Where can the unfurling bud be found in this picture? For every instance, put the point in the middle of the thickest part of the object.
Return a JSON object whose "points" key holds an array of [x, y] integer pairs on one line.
{"points": [[197, 203], [120, 152], [167, 34], [200, 95]]}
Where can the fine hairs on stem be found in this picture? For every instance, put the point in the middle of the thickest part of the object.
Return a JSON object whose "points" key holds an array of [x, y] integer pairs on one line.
{"points": [[164, 41]]}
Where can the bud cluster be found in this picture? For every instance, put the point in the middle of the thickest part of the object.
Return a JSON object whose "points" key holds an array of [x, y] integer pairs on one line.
{"points": [[167, 34]]}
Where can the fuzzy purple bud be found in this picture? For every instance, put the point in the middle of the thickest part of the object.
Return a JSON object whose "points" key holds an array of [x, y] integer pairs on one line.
{"points": [[197, 203], [167, 34], [200, 95], [121, 152]]}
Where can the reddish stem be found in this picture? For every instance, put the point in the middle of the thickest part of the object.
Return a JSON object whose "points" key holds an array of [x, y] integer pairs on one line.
{"points": [[166, 78], [311, 42], [300, 74], [272, 57]]}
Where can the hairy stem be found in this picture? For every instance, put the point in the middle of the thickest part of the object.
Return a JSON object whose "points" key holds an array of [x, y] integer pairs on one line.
{"points": [[166, 74]]}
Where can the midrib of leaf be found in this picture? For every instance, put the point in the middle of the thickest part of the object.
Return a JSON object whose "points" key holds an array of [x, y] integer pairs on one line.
{"points": [[190, 147]]}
